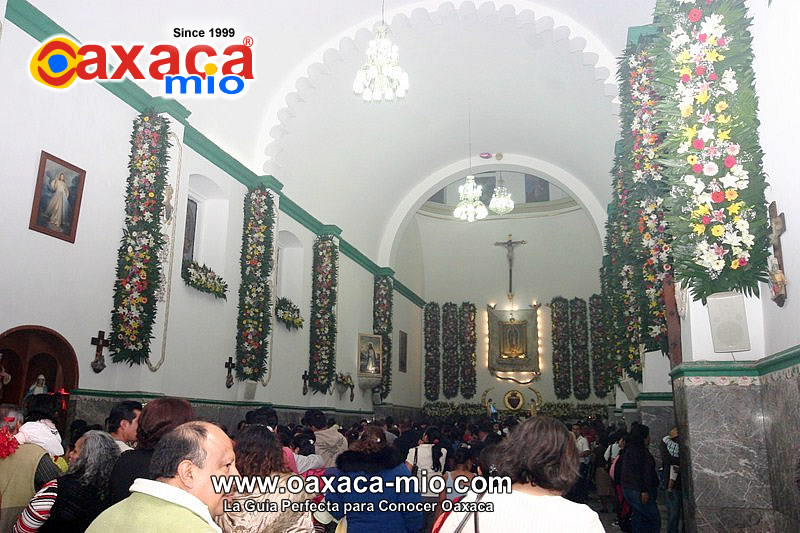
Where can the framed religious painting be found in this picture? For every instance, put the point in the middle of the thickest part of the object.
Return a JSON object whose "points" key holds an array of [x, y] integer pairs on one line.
{"points": [[57, 198], [402, 359], [369, 355]]}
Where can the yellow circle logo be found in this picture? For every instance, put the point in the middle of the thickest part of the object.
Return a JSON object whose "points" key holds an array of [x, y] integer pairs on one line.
{"points": [[54, 64]]}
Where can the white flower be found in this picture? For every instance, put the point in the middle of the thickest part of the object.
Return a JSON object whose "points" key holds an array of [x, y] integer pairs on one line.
{"points": [[678, 38], [733, 149], [706, 133], [728, 81], [683, 148], [728, 181], [712, 26], [710, 169]]}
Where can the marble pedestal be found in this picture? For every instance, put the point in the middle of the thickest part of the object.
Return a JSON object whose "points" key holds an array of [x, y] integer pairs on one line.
{"points": [[657, 412], [740, 441]]}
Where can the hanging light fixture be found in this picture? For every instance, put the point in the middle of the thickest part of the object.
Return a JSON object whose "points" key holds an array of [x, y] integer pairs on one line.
{"points": [[470, 207], [381, 78], [501, 202]]}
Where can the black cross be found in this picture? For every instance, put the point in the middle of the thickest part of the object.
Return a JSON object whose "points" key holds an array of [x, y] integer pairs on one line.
{"points": [[230, 365], [305, 377], [101, 342]]}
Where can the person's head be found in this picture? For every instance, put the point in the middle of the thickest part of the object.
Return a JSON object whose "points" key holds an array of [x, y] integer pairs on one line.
{"points": [[389, 422], [623, 439], [258, 452], [41, 407], [304, 443], [432, 436], [405, 424], [159, 417], [266, 416], [673, 434], [316, 419], [372, 440], [284, 435], [94, 456], [539, 452], [189, 455], [639, 436], [123, 421], [331, 422], [40, 381], [487, 461], [77, 429], [462, 459], [484, 428]]}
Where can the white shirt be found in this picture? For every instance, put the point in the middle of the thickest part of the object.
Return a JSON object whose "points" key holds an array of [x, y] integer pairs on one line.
{"points": [[612, 451], [519, 511], [583, 446], [166, 492], [308, 462], [123, 446], [425, 464]]}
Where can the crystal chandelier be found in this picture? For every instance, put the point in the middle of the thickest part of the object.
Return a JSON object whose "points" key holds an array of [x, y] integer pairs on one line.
{"points": [[381, 78], [501, 202], [470, 207]]}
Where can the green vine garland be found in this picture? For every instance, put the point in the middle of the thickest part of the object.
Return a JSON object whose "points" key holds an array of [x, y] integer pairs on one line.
{"points": [[288, 314], [562, 385], [450, 356], [601, 358], [203, 279], [467, 343], [580, 351], [382, 325], [432, 350], [255, 297], [324, 286], [138, 267], [712, 157]]}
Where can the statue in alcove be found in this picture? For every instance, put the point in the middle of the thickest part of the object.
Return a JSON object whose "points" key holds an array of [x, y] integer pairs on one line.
{"points": [[38, 387]]}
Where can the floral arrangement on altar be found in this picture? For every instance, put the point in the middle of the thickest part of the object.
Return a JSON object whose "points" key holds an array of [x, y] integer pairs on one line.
{"points": [[450, 355], [343, 382], [467, 341], [432, 353], [447, 409], [324, 285], [580, 352], [138, 267], [288, 314], [255, 296], [561, 360], [601, 356], [204, 279], [717, 209], [382, 325], [567, 410]]}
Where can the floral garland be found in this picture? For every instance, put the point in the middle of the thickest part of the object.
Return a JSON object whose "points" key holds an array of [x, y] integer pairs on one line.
{"points": [[432, 330], [255, 296], [468, 340], [600, 356], [567, 410], [450, 356], [322, 358], [580, 352], [561, 360], [441, 410], [639, 100], [717, 209], [204, 279], [382, 325], [288, 314], [138, 268]]}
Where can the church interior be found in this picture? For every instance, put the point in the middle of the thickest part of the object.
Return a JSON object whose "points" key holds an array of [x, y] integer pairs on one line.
{"points": [[422, 209]]}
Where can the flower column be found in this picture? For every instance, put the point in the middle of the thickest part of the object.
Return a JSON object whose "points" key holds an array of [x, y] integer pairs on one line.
{"points": [[432, 351], [322, 324], [382, 324]]}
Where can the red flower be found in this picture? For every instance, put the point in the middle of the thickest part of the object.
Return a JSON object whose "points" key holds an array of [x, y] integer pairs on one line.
{"points": [[721, 41], [695, 15], [730, 161], [717, 197], [712, 76], [685, 78], [702, 37], [706, 218], [742, 261], [698, 144], [700, 70], [697, 168]]}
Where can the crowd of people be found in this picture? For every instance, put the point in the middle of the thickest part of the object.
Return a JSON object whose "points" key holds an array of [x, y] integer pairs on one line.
{"points": [[155, 467]]}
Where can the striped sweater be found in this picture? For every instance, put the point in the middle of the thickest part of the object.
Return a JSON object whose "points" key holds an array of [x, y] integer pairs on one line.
{"points": [[38, 510]]}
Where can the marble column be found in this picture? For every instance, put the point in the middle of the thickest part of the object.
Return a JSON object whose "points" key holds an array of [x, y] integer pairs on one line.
{"points": [[658, 414]]}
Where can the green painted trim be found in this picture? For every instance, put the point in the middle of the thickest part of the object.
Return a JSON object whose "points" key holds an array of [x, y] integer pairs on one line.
{"points": [[774, 363], [408, 293], [629, 406], [32, 21], [271, 182], [353, 253], [331, 229], [385, 271], [172, 108], [219, 157], [654, 397], [637, 32], [787, 358], [130, 93], [306, 219], [204, 401]]}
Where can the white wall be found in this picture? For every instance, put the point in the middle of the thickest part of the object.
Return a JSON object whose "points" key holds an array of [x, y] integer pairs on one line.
{"points": [[777, 79], [562, 257]]}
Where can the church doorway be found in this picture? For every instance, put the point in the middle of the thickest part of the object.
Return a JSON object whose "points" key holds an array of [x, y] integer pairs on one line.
{"points": [[32, 351]]}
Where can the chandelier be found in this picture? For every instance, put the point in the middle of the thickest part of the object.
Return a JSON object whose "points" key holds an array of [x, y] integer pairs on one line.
{"points": [[470, 207], [501, 202], [381, 78]]}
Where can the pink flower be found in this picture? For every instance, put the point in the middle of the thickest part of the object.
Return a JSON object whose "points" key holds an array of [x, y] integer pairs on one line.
{"points": [[695, 15], [730, 161], [697, 168], [721, 41], [712, 76], [706, 219], [698, 144], [700, 70], [719, 215], [711, 151], [717, 197], [685, 78], [733, 149], [742, 261], [702, 37]]}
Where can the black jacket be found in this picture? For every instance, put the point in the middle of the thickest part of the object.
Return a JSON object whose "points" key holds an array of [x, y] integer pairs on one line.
{"points": [[638, 470], [75, 507], [129, 466], [386, 459]]}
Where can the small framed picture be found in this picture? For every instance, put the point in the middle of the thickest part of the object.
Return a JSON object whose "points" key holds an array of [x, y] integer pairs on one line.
{"points": [[370, 350], [57, 198], [402, 358]]}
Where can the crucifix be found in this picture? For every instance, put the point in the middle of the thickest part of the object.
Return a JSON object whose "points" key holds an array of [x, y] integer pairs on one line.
{"points": [[509, 245], [230, 365], [305, 377], [101, 342], [777, 279]]}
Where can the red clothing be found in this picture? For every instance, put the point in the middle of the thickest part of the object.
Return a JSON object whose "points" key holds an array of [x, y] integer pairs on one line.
{"points": [[288, 459]]}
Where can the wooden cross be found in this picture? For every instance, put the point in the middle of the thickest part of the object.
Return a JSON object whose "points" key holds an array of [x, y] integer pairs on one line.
{"points": [[100, 342], [777, 278], [230, 365], [306, 378], [509, 245]]}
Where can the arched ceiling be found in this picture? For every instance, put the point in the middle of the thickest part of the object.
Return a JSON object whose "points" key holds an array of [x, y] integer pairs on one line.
{"points": [[538, 77]]}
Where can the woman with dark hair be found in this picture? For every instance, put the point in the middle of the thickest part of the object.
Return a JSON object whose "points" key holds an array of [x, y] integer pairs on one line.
{"points": [[639, 480], [259, 453], [541, 459], [71, 502], [370, 456], [158, 418], [428, 459]]}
